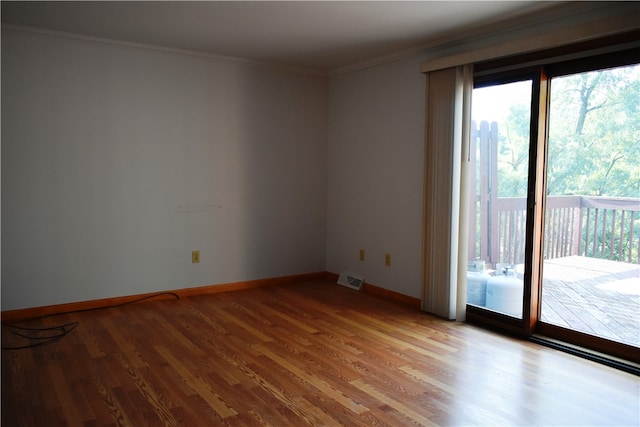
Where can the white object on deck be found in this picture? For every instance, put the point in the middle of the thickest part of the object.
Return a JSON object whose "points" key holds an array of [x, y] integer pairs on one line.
{"points": [[505, 293], [477, 287]]}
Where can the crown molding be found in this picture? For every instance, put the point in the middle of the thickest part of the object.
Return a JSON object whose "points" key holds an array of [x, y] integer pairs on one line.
{"points": [[169, 50]]}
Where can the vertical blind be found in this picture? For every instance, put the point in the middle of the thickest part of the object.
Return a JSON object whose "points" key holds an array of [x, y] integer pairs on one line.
{"points": [[448, 103]]}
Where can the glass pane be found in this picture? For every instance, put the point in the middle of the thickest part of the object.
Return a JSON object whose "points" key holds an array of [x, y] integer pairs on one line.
{"points": [[498, 190], [591, 276]]}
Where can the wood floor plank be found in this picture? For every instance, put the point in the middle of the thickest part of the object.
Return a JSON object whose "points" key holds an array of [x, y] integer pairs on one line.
{"points": [[199, 384], [70, 405], [112, 405], [123, 343], [310, 353], [384, 397], [302, 373]]}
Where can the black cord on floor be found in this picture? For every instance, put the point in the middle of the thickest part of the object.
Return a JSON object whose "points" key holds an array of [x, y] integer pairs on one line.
{"points": [[46, 335], [40, 340]]}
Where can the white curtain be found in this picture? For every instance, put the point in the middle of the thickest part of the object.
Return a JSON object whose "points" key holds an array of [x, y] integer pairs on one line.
{"points": [[447, 127]]}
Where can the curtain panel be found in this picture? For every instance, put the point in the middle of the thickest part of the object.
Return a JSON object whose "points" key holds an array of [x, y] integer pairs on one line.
{"points": [[448, 117]]}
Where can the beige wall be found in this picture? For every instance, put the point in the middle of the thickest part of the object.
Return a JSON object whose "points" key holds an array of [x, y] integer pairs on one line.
{"points": [[376, 158], [117, 162]]}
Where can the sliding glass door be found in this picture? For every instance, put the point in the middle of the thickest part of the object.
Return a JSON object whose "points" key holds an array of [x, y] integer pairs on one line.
{"points": [[499, 157], [591, 267], [554, 224]]}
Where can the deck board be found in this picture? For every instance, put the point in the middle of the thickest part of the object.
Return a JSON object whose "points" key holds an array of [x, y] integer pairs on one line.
{"points": [[592, 295]]}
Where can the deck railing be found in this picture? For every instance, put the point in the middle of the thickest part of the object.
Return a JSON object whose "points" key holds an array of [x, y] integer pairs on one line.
{"points": [[611, 228], [598, 227]]}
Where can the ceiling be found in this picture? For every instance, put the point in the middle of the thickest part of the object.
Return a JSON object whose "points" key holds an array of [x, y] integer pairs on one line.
{"points": [[316, 35]]}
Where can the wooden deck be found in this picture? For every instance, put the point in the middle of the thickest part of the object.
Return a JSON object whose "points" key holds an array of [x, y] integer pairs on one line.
{"points": [[596, 296]]}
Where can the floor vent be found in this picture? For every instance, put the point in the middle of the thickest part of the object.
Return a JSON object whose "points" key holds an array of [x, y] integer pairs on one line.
{"points": [[350, 281]]}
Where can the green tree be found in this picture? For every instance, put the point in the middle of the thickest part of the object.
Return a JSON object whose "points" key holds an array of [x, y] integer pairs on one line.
{"points": [[594, 142], [513, 152]]}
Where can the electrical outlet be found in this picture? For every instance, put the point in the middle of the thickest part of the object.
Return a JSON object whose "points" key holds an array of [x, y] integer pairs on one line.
{"points": [[195, 257], [387, 260], [361, 254]]}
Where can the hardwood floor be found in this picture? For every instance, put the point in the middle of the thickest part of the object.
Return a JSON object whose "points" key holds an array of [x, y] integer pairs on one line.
{"points": [[310, 353]]}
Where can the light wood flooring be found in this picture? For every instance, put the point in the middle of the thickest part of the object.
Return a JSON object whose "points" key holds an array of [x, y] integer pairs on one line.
{"points": [[309, 353]]}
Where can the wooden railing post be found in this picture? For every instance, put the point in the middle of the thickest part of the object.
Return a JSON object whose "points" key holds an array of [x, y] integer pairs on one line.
{"points": [[484, 140], [473, 195], [485, 191], [577, 229]]}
